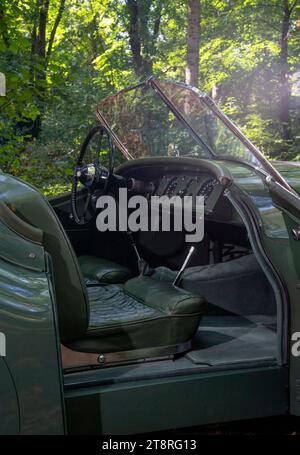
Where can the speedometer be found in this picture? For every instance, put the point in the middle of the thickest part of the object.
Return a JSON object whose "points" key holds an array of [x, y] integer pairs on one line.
{"points": [[207, 188]]}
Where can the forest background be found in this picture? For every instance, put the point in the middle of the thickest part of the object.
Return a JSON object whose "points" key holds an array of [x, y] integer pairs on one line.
{"points": [[61, 57]]}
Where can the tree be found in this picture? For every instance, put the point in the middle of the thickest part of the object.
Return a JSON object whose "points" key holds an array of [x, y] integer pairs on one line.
{"points": [[41, 50], [3, 25], [284, 83], [193, 43], [60, 57], [143, 29]]}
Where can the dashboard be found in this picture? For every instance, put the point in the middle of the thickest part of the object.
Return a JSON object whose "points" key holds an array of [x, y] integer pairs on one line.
{"points": [[186, 185], [184, 180], [222, 222]]}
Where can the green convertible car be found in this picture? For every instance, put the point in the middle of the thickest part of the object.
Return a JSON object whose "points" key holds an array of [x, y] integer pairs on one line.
{"points": [[123, 331]]}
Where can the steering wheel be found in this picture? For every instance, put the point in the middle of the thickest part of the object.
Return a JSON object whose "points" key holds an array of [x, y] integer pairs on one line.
{"points": [[91, 174]]}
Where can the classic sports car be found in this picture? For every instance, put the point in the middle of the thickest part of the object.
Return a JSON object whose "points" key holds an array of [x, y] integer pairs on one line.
{"points": [[128, 332]]}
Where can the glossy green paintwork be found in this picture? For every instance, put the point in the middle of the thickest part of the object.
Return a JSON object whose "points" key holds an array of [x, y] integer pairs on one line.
{"points": [[31, 373], [196, 399], [282, 250], [290, 170], [282, 258], [9, 409], [15, 249], [253, 185]]}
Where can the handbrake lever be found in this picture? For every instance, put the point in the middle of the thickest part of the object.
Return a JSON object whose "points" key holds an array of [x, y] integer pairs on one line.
{"points": [[183, 267]]}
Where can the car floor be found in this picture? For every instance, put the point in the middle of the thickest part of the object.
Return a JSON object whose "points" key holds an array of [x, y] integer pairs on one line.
{"points": [[223, 341], [231, 339]]}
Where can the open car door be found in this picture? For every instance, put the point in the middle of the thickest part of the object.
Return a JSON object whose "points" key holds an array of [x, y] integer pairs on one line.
{"points": [[289, 203]]}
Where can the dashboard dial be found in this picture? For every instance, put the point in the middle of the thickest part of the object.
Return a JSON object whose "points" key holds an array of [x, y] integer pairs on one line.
{"points": [[207, 188], [171, 187]]}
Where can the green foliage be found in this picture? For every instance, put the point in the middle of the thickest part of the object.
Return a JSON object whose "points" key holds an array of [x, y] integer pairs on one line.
{"points": [[91, 56]]}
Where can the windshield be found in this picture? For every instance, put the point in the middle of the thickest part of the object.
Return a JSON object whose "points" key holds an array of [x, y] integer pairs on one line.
{"points": [[146, 126], [162, 118], [221, 140]]}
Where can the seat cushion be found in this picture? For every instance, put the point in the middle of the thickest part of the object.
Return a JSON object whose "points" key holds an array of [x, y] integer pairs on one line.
{"points": [[95, 270], [110, 305], [143, 313]]}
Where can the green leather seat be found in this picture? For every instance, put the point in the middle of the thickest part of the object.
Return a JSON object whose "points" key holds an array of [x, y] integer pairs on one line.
{"points": [[142, 313], [98, 270]]}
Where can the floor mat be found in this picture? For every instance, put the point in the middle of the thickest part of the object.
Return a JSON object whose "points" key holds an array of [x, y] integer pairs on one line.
{"points": [[232, 339]]}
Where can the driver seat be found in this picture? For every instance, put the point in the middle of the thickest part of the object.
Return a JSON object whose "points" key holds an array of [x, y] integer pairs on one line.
{"points": [[142, 313]]}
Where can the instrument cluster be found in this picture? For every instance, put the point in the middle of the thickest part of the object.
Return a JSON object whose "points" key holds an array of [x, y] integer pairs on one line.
{"points": [[172, 185]]}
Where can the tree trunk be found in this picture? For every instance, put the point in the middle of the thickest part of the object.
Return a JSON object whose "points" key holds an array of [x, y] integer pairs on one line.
{"points": [[216, 93], [3, 26], [143, 30], [41, 54], [39, 58], [41, 46], [54, 29], [193, 43], [284, 85], [134, 36], [41, 41]]}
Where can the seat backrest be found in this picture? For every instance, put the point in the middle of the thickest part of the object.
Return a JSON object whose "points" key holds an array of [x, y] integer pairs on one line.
{"points": [[70, 290]]}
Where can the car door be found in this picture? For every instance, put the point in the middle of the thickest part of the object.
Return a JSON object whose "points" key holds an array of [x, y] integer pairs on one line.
{"points": [[9, 409], [289, 203]]}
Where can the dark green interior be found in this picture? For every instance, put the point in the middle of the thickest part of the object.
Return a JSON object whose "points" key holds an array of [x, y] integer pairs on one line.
{"points": [[223, 313], [238, 322]]}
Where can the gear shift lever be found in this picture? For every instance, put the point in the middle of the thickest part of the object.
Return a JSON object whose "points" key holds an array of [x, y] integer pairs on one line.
{"points": [[143, 266], [130, 236], [183, 267]]}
